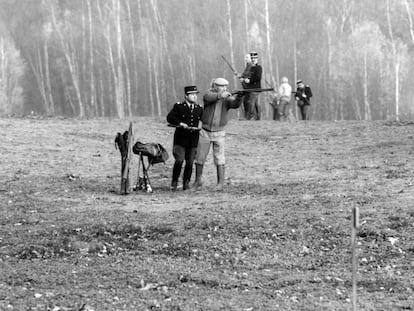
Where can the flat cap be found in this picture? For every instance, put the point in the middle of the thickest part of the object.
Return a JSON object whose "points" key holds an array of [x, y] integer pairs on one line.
{"points": [[221, 81]]}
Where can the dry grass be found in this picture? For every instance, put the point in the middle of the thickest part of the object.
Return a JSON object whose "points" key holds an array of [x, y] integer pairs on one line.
{"points": [[277, 238]]}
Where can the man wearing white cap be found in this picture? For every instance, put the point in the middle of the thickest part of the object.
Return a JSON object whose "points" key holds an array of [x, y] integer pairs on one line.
{"points": [[217, 103]]}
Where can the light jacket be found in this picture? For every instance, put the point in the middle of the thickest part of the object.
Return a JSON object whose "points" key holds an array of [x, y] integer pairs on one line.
{"points": [[285, 91]]}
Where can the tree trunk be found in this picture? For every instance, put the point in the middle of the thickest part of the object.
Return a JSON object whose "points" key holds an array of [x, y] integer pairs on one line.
{"points": [[120, 98], [295, 53], [147, 45], [48, 86], [270, 52], [92, 91], [396, 62], [367, 109], [230, 37], [127, 84], [410, 19], [163, 36], [112, 65], [36, 66], [246, 24], [134, 84], [71, 65], [330, 101]]}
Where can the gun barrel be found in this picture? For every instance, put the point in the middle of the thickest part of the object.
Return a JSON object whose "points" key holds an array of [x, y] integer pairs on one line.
{"points": [[252, 90], [228, 64]]}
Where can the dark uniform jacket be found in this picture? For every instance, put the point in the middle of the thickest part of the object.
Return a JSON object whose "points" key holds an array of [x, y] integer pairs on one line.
{"points": [[255, 77], [181, 112], [307, 91]]}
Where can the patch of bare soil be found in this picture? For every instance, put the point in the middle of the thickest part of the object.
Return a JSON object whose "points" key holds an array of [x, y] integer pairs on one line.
{"points": [[277, 238]]}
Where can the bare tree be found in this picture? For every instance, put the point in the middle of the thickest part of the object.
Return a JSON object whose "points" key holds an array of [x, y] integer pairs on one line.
{"points": [[396, 63], [92, 98], [410, 19], [134, 87], [230, 36], [119, 86], [70, 60]]}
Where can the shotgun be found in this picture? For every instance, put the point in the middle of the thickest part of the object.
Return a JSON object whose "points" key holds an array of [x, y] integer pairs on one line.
{"points": [[243, 92], [231, 67]]}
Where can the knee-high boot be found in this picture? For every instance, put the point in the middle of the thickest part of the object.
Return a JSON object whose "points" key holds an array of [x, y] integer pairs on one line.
{"points": [[188, 171], [199, 174], [220, 176], [176, 175]]}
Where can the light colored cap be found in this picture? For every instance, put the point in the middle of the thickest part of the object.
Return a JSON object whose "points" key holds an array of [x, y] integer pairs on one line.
{"points": [[221, 82]]}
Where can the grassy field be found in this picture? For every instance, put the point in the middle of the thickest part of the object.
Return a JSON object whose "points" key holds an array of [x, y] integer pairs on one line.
{"points": [[277, 238]]}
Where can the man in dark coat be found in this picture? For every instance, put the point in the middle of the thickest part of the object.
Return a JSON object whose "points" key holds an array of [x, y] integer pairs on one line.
{"points": [[302, 96], [252, 108], [242, 77], [186, 116]]}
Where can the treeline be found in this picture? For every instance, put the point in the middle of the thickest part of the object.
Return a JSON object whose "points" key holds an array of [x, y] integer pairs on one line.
{"points": [[119, 58]]}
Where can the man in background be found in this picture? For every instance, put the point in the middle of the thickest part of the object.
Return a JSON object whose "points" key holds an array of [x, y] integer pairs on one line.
{"points": [[252, 108], [242, 77], [284, 95], [302, 96]]}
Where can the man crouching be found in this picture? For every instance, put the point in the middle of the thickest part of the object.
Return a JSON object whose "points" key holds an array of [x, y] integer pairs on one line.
{"points": [[217, 103]]}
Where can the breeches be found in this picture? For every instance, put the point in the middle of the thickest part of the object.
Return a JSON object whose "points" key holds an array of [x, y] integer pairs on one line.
{"points": [[304, 112], [181, 153], [283, 109], [250, 104], [217, 139]]}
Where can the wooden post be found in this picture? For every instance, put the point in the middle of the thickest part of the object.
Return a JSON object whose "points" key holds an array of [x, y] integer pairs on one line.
{"points": [[355, 226]]}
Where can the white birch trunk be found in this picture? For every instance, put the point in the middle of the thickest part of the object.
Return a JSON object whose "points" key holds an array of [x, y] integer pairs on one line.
{"points": [[92, 95], [120, 99], [410, 19], [396, 62], [71, 65]]}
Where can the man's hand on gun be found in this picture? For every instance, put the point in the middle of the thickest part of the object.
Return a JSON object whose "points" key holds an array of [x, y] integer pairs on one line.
{"points": [[224, 94], [185, 126]]}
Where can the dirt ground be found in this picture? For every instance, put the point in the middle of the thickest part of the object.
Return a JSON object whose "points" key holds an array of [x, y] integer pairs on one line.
{"points": [[277, 238]]}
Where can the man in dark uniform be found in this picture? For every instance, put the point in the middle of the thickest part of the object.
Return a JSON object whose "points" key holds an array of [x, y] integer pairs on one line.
{"points": [[186, 116], [302, 96], [252, 108], [242, 77]]}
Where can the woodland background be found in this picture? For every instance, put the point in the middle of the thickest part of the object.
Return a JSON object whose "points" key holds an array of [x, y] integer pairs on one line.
{"points": [[113, 58]]}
